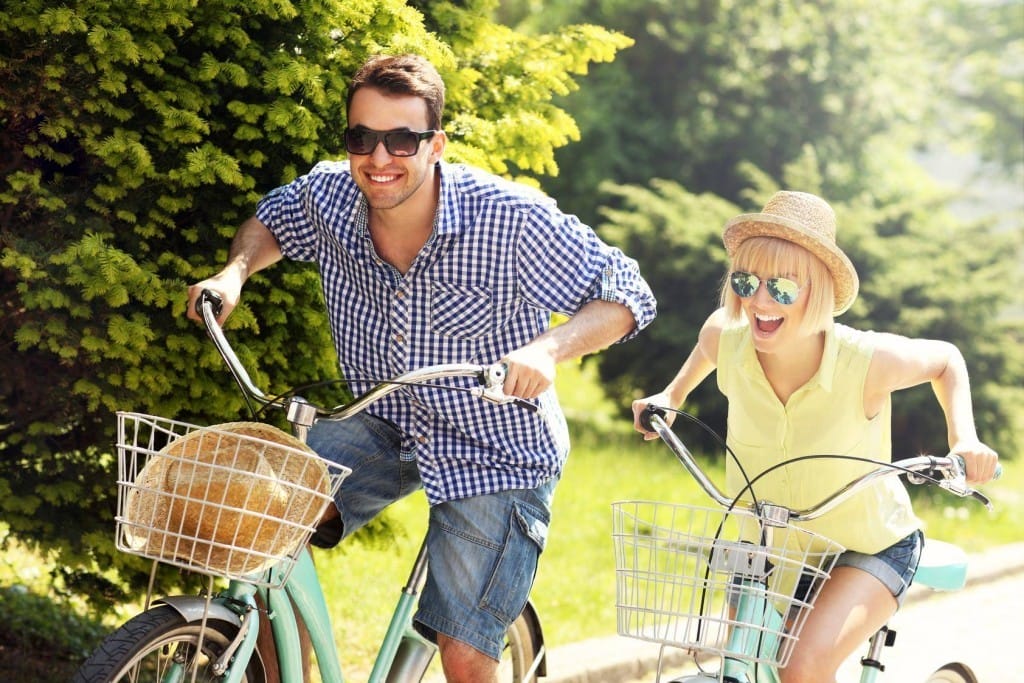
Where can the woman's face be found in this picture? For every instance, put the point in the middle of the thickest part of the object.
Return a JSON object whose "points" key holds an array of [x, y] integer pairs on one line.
{"points": [[801, 308], [776, 327]]}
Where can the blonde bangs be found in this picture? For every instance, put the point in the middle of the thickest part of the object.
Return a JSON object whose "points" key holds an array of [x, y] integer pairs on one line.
{"points": [[772, 257]]}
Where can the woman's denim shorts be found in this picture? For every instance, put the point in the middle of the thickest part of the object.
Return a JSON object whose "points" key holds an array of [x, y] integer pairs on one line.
{"points": [[894, 567]]}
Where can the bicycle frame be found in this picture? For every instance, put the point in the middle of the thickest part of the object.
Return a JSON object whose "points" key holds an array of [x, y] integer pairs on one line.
{"points": [[301, 598], [403, 654], [943, 567]]}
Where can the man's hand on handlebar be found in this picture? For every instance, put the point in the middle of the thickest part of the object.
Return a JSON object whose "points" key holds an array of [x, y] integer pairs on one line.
{"points": [[228, 288], [530, 371]]}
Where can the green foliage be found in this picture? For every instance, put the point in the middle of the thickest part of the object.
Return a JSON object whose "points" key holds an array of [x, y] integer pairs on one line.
{"points": [[504, 90], [709, 86], [40, 627], [987, 105], [135, 139], [675, 235]]}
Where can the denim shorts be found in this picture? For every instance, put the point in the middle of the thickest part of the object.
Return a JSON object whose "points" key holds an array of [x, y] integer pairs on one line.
{"points": [[894, 567], [482, 552]]}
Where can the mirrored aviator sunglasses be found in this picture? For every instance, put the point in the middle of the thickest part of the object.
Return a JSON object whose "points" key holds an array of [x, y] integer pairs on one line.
{"points": [[783, 290], [398, 143]]}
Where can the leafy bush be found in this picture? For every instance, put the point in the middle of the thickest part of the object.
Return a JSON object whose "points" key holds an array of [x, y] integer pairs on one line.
{"points": [[49, 630], [135, 138]]}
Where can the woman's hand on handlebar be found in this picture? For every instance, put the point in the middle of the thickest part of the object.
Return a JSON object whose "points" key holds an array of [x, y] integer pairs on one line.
{"points": [[640, 405], [980, 461]]}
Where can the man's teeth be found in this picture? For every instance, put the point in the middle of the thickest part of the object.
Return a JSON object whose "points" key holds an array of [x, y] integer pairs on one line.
{"points": [[382, 178]]}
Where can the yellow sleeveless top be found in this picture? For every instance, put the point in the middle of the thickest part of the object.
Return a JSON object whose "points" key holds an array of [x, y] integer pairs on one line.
{"points": [[825, 416]]}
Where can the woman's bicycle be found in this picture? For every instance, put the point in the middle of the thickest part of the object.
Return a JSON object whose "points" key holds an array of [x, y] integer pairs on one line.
{"points": [[732, 585], [240, 502]]}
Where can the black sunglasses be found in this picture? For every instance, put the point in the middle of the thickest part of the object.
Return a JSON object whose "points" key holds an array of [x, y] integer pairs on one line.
{"points": [[398, 143], [783, 290]]}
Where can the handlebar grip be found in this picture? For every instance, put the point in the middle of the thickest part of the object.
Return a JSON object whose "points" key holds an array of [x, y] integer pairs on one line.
{"points": [[216, 302], [650, 411], [963, 466]]}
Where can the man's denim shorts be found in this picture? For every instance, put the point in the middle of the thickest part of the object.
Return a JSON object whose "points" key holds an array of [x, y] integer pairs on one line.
{"points": [[482, 551]]}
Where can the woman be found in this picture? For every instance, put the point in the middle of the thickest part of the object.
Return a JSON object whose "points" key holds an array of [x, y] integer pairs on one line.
{"points": [[800, 384]]}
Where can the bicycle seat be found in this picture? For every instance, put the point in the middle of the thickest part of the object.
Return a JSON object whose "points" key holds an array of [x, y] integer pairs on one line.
{"points": [[943, 566]]}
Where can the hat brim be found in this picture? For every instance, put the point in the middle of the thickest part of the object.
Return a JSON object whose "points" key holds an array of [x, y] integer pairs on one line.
{"points": [[844, 276]]}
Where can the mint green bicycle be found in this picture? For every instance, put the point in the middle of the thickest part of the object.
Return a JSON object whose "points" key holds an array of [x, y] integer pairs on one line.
{"points": [[733, 585], [239, 502]]}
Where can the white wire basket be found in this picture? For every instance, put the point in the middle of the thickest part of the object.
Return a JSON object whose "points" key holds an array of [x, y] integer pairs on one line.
{"points": [[230, 500], [687, 576]]}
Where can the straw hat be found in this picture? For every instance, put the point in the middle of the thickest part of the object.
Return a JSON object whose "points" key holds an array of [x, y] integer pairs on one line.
{"points": [[805, 220], [231, 499]]}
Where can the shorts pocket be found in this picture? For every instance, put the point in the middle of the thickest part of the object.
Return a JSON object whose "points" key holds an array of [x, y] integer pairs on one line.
{"points": [[510, 583]]}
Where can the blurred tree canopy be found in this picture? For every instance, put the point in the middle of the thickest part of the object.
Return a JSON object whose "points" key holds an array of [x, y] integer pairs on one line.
{"points": [[136, 138], [718, 104]]}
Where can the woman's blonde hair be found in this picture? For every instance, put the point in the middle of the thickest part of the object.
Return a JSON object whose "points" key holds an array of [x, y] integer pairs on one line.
{"points": [[773, 257]]}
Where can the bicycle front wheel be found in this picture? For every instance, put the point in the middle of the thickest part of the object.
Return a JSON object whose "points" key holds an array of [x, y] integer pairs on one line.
{"points": [[151, 645], [954, 672]]}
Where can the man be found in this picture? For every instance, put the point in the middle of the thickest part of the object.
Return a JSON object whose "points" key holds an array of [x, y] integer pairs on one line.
{"points": [[423, 262]]}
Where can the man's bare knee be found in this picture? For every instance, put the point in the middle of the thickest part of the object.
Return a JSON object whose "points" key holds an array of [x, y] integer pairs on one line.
{"points": [[465, 664]]}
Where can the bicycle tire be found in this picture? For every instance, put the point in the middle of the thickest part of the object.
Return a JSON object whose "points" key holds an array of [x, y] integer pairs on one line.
{"points": [[521, 649], [954, 672], [145, 644]]}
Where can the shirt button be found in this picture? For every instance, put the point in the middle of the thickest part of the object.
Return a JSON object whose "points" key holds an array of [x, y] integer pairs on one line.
{"points": [[400, 293], [400, 338], [422, 439]]}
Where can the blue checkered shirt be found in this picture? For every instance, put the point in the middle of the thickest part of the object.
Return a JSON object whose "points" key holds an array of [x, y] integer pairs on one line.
{"points": [[501, 260]]}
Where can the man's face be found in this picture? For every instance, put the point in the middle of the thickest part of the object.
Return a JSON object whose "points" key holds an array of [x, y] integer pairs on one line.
{"points": [[388, 181]]}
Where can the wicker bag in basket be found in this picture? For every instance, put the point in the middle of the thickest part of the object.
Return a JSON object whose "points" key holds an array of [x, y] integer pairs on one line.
{"points": [[229, 499]]}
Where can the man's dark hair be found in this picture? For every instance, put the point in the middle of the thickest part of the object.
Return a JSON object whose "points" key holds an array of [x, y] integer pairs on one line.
{"points": [[403, 75]]}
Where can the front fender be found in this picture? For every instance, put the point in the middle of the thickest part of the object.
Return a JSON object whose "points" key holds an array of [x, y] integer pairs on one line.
{"points": [[193, 609]]}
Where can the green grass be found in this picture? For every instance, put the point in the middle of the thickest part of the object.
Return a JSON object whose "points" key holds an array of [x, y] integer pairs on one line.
{"points": [[575, 591]]}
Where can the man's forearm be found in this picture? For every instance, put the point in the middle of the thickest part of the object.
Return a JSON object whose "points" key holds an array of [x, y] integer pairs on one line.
{"points": [[253, 248], [596, 326]]}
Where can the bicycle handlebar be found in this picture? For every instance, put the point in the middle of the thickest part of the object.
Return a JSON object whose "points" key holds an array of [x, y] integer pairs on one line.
{"points": [[948, 472], [303, 413]]}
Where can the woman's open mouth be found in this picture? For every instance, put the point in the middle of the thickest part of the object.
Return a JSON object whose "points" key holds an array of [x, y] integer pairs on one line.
{"points": [[768, 323]]}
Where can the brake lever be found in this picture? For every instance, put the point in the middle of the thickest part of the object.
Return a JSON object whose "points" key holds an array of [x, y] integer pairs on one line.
{"points": [[493, 379], [955, 482]]}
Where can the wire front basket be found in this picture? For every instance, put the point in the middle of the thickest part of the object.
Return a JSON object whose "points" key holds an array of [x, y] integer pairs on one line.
{"points": [[704, 580], [231, 500]]}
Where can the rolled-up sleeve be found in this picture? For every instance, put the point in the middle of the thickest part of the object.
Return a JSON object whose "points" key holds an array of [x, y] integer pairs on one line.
{"points": [[563, 265]]}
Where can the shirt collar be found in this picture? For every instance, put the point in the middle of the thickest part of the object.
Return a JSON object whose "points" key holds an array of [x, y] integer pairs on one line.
{"points": [[447, 220], [826, 371]]}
